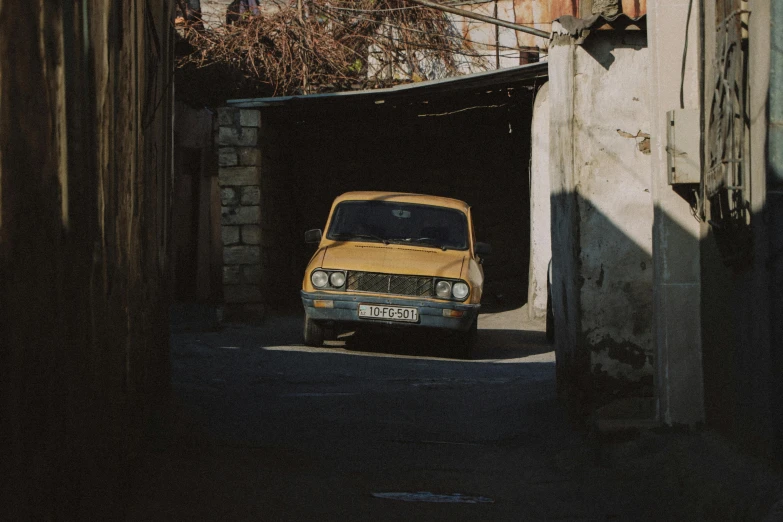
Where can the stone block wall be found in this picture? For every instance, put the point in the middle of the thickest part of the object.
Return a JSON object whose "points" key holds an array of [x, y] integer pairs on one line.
{"points": [[239, 176]]}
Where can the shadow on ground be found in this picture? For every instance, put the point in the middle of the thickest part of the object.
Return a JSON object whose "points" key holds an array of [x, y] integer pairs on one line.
{"points": [[264, 428]]}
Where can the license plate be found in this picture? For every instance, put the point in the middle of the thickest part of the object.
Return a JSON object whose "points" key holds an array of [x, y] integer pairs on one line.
{"points": [[389, 313]]}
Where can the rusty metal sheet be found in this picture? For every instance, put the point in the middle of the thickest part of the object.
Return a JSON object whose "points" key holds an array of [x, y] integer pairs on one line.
{"points": [[634, 8], [538, 14]]}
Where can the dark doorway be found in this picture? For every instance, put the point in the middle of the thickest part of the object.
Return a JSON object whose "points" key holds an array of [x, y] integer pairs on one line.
{"points": [[472, 146]]}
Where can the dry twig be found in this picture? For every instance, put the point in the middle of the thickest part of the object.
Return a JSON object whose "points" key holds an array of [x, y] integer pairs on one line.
{"points": [[336, 45]]}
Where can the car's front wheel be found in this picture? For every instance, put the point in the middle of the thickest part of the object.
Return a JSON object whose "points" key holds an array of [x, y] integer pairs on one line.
{"points": [[550, 314], [313, 333], [466, 341]]}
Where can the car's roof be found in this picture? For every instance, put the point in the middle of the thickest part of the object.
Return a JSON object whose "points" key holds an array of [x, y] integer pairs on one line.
{"points": [[404, 197]]}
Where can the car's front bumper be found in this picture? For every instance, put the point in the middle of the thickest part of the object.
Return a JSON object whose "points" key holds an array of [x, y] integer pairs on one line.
{"points": [[345, 309]]}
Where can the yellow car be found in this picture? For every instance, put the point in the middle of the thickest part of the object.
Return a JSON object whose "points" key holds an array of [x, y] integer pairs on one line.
{"points": [[394, 259]]}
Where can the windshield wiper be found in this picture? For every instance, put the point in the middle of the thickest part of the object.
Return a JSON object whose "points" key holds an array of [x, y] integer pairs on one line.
{"points": [[425, 241], [350, 235]]}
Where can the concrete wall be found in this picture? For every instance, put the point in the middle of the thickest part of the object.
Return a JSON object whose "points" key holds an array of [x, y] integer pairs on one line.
{"points": [[213, 12], [773, 211], [540, 212], [743, 353], [676, 233], [85, 181], [197, 245], [602, 215]]}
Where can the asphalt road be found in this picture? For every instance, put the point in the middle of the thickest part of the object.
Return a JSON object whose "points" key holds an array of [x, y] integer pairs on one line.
{"points": [[391, 428]]}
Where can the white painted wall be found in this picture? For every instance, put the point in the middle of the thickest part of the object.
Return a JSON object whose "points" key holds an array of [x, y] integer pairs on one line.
{"points": [[602, 211], [676, 233], [611, 102], [570, 355], [213, 12], [540, 213]]}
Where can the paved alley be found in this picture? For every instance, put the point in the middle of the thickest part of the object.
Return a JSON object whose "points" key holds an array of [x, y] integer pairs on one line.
{"points": [[389, 429]]}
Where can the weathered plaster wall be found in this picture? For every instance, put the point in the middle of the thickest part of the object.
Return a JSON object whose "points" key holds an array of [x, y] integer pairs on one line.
{"points": [[572, 359], [213, 12], [85, 142], [602, 214], [773, 205], [676, 234], [540, 213], [196, 245], [611, 100], [743, 359]]}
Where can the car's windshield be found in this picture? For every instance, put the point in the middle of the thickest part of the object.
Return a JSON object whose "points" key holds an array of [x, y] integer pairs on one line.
{"points": [[391, 222]]}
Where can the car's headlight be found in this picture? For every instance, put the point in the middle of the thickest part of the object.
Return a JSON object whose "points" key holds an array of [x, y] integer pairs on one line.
{"points": [[443, 289], [337, 279], [460, 290], [319, 278]]}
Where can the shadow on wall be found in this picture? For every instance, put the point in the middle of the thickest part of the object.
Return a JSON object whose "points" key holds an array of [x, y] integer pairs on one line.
{"points": [[774, 216], [742, 331], [602, 294], [602, 298], [84, 166]]}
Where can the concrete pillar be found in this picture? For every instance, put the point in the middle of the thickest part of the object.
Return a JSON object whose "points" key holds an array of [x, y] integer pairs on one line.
{"points": [[239, 176], [676, 232], [602, 215], [571, 361], [540, 222]]}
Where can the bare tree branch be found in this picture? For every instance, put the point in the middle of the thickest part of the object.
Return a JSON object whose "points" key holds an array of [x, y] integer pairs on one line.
{"points": [[330, 45]]}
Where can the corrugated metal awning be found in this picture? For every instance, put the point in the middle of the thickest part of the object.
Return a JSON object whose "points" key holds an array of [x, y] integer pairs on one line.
{"points": [[535, 73]]}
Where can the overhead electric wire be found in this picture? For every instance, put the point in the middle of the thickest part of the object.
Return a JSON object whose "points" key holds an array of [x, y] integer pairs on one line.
{"points": [[357, 10], [409, 29], [488, 19]]}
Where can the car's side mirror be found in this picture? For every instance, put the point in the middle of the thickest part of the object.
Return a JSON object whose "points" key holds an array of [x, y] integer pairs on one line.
{"points": [[482, 249], [313, 236]]}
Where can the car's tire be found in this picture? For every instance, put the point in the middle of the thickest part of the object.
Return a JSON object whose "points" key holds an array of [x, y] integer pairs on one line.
{"points": [[313, 333], [466, 341], [550, 327], [550, 315], [330, 333]]}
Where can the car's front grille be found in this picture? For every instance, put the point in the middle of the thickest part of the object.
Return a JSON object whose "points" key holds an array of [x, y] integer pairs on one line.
{"points": [[390, 284]]}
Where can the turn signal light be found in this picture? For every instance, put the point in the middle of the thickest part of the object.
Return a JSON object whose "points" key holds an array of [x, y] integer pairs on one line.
{"points": [[322, 303], [452, 313]]}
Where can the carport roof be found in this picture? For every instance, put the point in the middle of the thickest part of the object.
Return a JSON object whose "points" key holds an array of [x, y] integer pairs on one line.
{"points": [[500, 77]]}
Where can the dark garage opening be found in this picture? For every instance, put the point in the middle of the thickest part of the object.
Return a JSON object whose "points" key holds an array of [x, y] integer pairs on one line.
{"points": [[467, 142]]}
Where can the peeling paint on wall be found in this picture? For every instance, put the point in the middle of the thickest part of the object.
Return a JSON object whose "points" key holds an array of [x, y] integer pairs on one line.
{"points": [[603, 214]]}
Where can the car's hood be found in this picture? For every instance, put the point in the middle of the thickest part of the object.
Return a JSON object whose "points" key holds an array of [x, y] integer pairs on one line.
{"points": [[394, 259]]}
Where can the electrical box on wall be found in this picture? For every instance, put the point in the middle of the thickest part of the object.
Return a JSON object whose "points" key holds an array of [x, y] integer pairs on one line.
{"points": [[683, 146]]}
